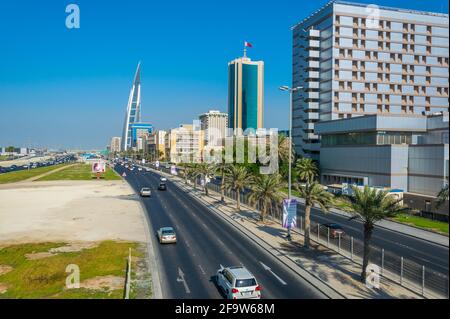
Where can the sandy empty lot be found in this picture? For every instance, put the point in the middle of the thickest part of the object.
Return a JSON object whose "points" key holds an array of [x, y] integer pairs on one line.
{"points": [[70, 211]]}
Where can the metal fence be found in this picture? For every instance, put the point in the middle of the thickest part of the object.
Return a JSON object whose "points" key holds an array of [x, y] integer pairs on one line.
{"points": [[409, 274], [395, 268]]}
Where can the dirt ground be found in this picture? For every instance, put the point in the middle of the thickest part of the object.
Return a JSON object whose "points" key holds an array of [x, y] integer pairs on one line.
{"points": [[69, 211]]}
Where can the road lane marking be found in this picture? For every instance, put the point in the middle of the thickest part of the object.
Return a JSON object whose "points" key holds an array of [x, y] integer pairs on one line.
{"points": [[183, 280], [202, 270], [267, 268]]}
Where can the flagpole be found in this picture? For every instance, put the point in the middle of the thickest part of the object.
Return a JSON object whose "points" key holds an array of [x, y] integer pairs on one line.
{"points": [[245, 50]]}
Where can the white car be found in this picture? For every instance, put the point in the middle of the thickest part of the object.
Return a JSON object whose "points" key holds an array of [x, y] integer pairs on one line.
{"points": [[167, 235], [163, 179], [140, 169], [145, 192], [238, 283]]}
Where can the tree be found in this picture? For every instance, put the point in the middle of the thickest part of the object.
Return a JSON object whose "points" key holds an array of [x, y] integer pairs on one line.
{"points": [[314, 194], [442, 197], [370, 206], [237, 177], [283, 148], [221, 167], [307, 170], [267, 189], [206, 171]]}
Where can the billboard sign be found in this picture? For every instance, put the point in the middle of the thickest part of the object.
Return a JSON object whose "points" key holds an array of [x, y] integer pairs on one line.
{"points": [[289, 213], [173, 170], [157, 164], [99, 167]]}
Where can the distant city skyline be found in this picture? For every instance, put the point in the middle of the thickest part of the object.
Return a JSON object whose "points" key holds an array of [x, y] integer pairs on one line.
{"points": [[69, 88]]}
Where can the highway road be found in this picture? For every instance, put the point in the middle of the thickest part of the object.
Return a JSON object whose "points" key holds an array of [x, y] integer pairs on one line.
{"points": [[205, 242], [433, 256]]}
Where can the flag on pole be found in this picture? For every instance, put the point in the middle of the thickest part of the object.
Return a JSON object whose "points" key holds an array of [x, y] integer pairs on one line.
{"points": [[248, 44]]}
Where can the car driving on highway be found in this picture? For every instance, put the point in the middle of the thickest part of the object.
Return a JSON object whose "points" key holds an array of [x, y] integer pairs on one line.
{"points": [[238, 283], [162, 187], [146, 192], [167, 235], [336, 230]]}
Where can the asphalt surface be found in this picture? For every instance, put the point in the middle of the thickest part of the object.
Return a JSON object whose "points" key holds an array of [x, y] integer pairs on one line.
{"points": [[205, 242], [433, 256]]}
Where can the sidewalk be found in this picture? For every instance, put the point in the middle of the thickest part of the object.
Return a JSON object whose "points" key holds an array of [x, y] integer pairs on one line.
{"points": [[400, 228], [335, 271]]}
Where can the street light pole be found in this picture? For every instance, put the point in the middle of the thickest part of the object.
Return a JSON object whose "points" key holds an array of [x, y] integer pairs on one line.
{"points": [[291, 91]]}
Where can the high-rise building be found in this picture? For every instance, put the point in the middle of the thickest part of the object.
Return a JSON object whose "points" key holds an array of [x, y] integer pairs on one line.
{"points": [[245, 94], [115, 145], [357, 59], [184, 144], [133, 113], [140, 131], [156, 144], [214, 124]]}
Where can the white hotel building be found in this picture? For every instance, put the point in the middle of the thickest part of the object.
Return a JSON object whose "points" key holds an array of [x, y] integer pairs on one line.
{"points": [[354, 60]]}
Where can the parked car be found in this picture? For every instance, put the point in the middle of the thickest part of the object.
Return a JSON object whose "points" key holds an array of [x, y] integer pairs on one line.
{"points": [[146, 192], [167, 235], [238, 283], [336, 230], [162, 187]]}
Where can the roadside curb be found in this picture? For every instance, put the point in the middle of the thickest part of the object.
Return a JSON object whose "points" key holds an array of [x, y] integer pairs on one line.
{"points": [[314, 281], [153, 256]]}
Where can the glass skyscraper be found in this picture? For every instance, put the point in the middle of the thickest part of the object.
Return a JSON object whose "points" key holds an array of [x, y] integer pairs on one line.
{"points": [[133, 113], [245, 94]]}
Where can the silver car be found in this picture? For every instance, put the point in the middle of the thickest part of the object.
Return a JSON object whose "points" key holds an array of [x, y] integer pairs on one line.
{"points": [[146, 192], [238, 283], [167, 235]]}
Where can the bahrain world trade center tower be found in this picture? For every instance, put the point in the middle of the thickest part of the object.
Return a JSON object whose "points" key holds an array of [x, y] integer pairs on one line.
{"points": [[133, 114]]}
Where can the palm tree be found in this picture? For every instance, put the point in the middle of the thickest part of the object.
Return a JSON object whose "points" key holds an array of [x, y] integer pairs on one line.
{"points": [[370, 206], [283, 148], [236, 178], [314, 194], [187, 172], [442, 197], [267, 189], [307, 170], [222, 167], [193, 173], [206, 171]]}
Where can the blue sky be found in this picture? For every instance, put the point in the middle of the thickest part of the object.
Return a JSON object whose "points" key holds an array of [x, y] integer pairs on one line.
{"points": [[69, 88]]}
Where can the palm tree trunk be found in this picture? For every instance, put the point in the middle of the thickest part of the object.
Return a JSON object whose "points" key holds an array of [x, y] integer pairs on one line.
{"points": [[238, 200], [263, 211], [307, 225], [222, 187], [368, 229], [206, 188]]}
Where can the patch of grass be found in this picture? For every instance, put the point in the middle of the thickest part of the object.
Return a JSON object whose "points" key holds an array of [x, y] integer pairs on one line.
{"points": [[46, 277], [79, 172], [424, 223], [18, 176]]}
